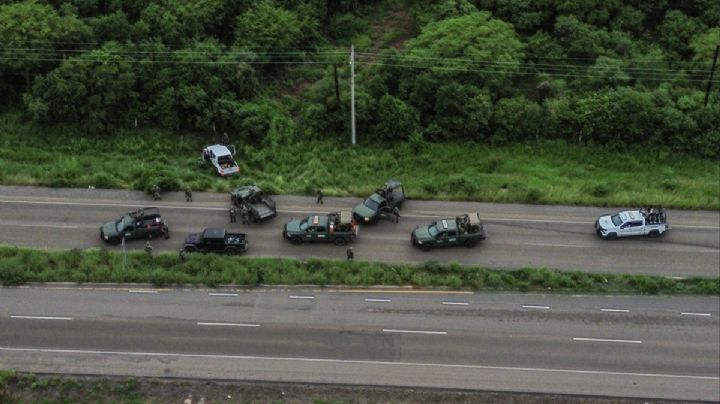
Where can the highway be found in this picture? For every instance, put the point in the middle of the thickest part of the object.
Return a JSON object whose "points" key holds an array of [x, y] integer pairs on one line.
{"points": [[560, 237], [649, 347]]}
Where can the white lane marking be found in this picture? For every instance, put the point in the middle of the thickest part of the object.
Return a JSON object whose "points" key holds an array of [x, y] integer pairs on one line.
{"points": [[531, 306], [301, 297], [222, 294], [456, 303], [626, 341], [689, 313], [413, 215], [370, 299], [615, 310], [141, 291], [51, 226], [556, 245], [356, 362], [229, 324], [414, 331], [42, 318]]}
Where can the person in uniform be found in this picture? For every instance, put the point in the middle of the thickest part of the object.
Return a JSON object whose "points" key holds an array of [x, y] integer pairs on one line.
{"points": [[182, 254], [233, 217], [148, 248], [244, 215], [319, 197], [396, 214], [188, 194], [350, 254], [156, 192]]}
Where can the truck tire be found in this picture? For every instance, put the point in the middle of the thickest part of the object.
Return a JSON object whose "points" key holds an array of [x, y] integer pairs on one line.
{"points": [[611, 236], [190, 249], [340, 241], [654, 233], [296, 240], [166, 233], [231, 251], [425, 247], [469, 243]]}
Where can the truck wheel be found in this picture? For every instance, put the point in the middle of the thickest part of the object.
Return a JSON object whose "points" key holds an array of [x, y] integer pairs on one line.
{"points": [[340, 241], [296, 240], [611, 236], [166, 233], [190, 249], [469, 243], [426, 247], [231, 251], [654, 233]]}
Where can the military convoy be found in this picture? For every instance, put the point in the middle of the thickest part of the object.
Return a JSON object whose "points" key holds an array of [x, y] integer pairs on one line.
{"points": [[342, 227], [336, 227], [466, 230], [216, 240], [143, 223], [254, 201]]}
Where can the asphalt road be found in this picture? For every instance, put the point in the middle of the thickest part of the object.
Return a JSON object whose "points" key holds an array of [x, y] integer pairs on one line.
{"points": [[559, 237], [654, 347]]}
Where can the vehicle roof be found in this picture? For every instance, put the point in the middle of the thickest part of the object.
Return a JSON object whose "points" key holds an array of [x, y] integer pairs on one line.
{"points": [[318, 220], [246, 190], [628, 215], [376, 197], [214, 232], [146, 212], [447, 224], [219, 149]]}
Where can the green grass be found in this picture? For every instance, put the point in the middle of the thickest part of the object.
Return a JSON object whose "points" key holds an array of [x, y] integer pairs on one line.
{"points": [[543, 173], [21, 265]]}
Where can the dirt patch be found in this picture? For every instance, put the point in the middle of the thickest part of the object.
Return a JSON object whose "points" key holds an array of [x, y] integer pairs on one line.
{"points": [[84, 389]]}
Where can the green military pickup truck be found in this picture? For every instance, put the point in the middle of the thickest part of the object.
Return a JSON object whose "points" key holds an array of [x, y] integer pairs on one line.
{"points": [[336, 227], [466, 230]]}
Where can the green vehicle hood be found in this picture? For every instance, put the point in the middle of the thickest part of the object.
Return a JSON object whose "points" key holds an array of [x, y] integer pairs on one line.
{"points": [[422, 233], [293, 226], [364, 211], [109, 229]]}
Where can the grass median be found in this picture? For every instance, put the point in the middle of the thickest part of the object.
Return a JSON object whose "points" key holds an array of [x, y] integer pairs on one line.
{"points": [[22, 265], [550, 172]]}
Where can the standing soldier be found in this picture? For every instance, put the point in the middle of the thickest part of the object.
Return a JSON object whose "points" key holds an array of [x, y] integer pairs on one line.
{"points": [[244, 215], [396, 214], [182, 254], [156, 192], [188, 194], [233, 217], [319, 197], [350, 254], [148, 248]]}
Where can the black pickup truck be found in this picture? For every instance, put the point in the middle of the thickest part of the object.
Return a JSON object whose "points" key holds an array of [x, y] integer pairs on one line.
{"points": [[216, 240]]}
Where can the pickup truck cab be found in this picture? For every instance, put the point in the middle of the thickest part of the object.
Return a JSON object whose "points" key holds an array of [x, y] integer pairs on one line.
{"points": [[381, 203], [466, 230], [216, 240], [143, 223], [632, 223], [221, 158], [258, 204], [336, 227]]}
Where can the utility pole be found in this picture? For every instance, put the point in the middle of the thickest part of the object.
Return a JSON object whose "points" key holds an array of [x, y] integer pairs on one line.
{"points": [[712, 73], [352, 92]]}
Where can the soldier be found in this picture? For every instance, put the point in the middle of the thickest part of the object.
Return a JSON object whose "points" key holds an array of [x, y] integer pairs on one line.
{"points": [[319, 197], [225, 139], [156, 192], [233, 217], [396, 214], [350, 254], [182, 254], [245, 215], [188, 194], [148, 248]]}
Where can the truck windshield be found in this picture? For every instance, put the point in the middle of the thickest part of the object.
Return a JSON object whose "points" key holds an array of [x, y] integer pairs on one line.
{"points": [[373, 205], [304, 225], [124, 222], [616, 220], [433, 230]]}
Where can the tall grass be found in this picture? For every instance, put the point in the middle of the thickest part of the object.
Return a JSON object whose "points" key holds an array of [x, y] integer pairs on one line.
{"points": [[21, 265], [545, 173]]}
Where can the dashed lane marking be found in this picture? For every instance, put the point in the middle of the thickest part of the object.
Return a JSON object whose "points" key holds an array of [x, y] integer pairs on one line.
{"points": [[42, 318], [392, 330], [689, 313], [374, 300], [228, 324], [615, 310], [142, 291], [302, 297], [624, 341], [532, 306], [223, 294], [455, 303]]}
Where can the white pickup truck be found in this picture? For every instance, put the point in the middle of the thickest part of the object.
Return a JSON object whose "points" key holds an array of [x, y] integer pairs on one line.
{"points": [[221, 157], [632, 223]]}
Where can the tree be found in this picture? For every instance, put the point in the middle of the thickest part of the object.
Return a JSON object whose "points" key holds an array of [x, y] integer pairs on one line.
{"points": [[677, 30], [516, 119], [462, 112], [28, 26], [265, 27], [703, 46], [396, 120]]}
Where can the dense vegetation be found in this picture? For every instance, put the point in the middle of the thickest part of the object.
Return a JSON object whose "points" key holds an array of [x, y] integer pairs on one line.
{"points": [[607, 72], [545, 172], [20, 265]]}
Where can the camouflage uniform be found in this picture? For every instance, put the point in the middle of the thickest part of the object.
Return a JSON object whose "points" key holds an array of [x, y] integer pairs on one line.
{"points": [[188, 194], [233, 216]]}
